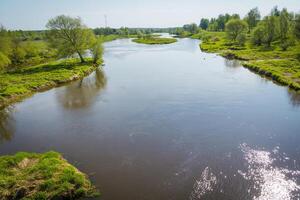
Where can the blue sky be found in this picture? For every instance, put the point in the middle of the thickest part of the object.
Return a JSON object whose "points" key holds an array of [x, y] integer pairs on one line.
{"points": [[34, 14]]}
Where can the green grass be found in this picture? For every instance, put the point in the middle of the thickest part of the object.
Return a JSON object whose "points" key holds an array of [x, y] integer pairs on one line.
{"points": [[155, 40], [281, 66], [283, 71], [25, 81], [31, 176]]}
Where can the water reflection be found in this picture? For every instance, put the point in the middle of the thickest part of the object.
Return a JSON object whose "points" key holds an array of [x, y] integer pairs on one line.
{"points": [[83, 93], [232, 63], [7, 124], [294, 97]]}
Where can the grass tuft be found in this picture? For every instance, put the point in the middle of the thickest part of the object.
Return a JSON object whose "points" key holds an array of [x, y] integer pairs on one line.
{"points": [[34, 176]]}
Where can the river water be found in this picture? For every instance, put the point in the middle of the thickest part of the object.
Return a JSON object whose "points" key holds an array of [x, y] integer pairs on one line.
{"points": [[167, 122]]}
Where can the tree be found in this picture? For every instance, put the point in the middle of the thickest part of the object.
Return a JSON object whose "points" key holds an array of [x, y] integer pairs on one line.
{"points": [[18, 52], [5, 48], [4, 61], [257, 36], [97, 50], [192, 28], [5, 41], [297, 26], [234, 16], [284, 29], [275, 12], [234, 28], [70, 36], [204, 23], [252, 18], [270, 29], [221, 21]]}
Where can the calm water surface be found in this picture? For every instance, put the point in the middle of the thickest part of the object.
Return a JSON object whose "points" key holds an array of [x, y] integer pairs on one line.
{"points": [[167, 122]]}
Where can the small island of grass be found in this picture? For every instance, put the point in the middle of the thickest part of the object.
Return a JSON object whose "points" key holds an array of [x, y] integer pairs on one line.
{"points": [[33, 176], [155, 40]]}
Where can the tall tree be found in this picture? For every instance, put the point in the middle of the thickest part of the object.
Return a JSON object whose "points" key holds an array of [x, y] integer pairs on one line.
{"points": [[297, 26], [284, 28], [204, 23], [221, 21], [234, 28], [257, 35], [275, 12], [252, 18], [270, 29], [70, 36]]}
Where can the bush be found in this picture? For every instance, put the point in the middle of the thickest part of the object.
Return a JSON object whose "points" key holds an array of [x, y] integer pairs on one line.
{"points": [[234, 28], [4, 61], [241, 39], [97, 50], [257, 36]]}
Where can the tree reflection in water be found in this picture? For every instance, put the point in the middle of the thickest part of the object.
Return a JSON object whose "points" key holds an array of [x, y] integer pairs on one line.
{"points": [[294, 97], [232, 63], [83, 93], [7, 124]]}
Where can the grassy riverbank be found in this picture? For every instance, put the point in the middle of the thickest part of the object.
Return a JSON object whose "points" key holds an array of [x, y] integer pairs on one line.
{"points": [[42, 176], [24, 82], [281, 66], [155, 40]]}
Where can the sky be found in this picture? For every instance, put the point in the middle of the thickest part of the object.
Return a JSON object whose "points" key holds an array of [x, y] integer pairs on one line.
{"points": [[34, 14]]}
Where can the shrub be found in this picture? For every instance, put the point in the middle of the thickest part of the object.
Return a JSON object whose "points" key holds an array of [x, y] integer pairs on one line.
{"points": [[4, 61], [234, 28]]}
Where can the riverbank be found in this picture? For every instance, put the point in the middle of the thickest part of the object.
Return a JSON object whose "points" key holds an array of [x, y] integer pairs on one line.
{"points": [[16, 85], [155, 40], [281, 66], [42, 176]]}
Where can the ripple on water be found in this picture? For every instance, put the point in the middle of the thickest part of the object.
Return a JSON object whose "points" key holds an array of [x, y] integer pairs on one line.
{"points": [[204, 184], [273, 183]]}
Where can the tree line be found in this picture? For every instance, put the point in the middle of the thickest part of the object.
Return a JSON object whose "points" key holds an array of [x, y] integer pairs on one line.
{"points": [[279, 26]]}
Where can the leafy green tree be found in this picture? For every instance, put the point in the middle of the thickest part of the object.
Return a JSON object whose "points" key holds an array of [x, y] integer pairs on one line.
{"points": [[70, 36], [241, 39], [5, 48], [5, 41], [97, 50], [234, 28], [257, 36], [234, 16], [275, 12], [4, 61], [192, 28], [221, 21], [284, 29], [297, 26], [270, 29], [204, 23], [252, 18], [18, 52]]}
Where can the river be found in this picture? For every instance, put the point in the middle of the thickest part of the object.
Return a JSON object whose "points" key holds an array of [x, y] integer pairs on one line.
{"points": [[167, 123]]}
